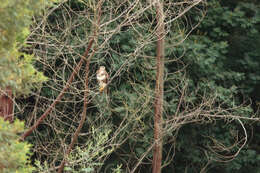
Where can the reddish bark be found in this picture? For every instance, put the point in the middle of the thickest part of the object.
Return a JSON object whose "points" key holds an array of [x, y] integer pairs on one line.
{"points": [[157, 153], [6, 104]]}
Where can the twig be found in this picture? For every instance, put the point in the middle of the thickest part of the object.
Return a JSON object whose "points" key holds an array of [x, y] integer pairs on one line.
{"points": [[46, 113], [83, 115]]}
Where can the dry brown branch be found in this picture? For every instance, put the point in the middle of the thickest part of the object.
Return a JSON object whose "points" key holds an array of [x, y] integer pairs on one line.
{"points": [[84, 112], [46, 113], [208, 112]]}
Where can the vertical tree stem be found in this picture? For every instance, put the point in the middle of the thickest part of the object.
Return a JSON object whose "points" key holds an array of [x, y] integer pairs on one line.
{"points": [[157, 152]]}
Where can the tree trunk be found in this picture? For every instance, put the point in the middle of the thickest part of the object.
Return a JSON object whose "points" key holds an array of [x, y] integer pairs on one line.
{"points": [[157, 152], [6, 104]]}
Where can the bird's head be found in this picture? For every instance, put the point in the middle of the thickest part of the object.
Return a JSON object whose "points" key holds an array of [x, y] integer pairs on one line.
{"points": [[102, 67]]}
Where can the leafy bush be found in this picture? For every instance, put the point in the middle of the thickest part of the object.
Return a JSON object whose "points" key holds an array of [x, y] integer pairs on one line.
{"points": [[16, 69], [14, 155]]}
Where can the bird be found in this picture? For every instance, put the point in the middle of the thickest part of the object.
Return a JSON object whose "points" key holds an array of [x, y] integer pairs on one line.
{"points": [[102, 78]]}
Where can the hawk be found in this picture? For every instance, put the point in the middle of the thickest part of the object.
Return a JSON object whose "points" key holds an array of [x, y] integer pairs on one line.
{"points": [[102, 78]]}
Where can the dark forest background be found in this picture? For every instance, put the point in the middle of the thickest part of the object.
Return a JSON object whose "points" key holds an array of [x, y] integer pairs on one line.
{"points": [[211, 87]]}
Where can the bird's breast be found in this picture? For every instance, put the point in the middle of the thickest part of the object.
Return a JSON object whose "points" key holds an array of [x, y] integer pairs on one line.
{"points": [[101, 77]]}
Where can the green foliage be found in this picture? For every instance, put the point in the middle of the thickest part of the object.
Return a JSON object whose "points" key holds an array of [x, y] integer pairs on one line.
{"points": [[88, 158], [223, 59], [238, 24], [16, 68], [220, 60], [117, 169], [14, 155]]}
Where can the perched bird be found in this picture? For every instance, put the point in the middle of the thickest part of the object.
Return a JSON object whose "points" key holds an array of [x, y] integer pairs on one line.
{"points": [[102, 78]]}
